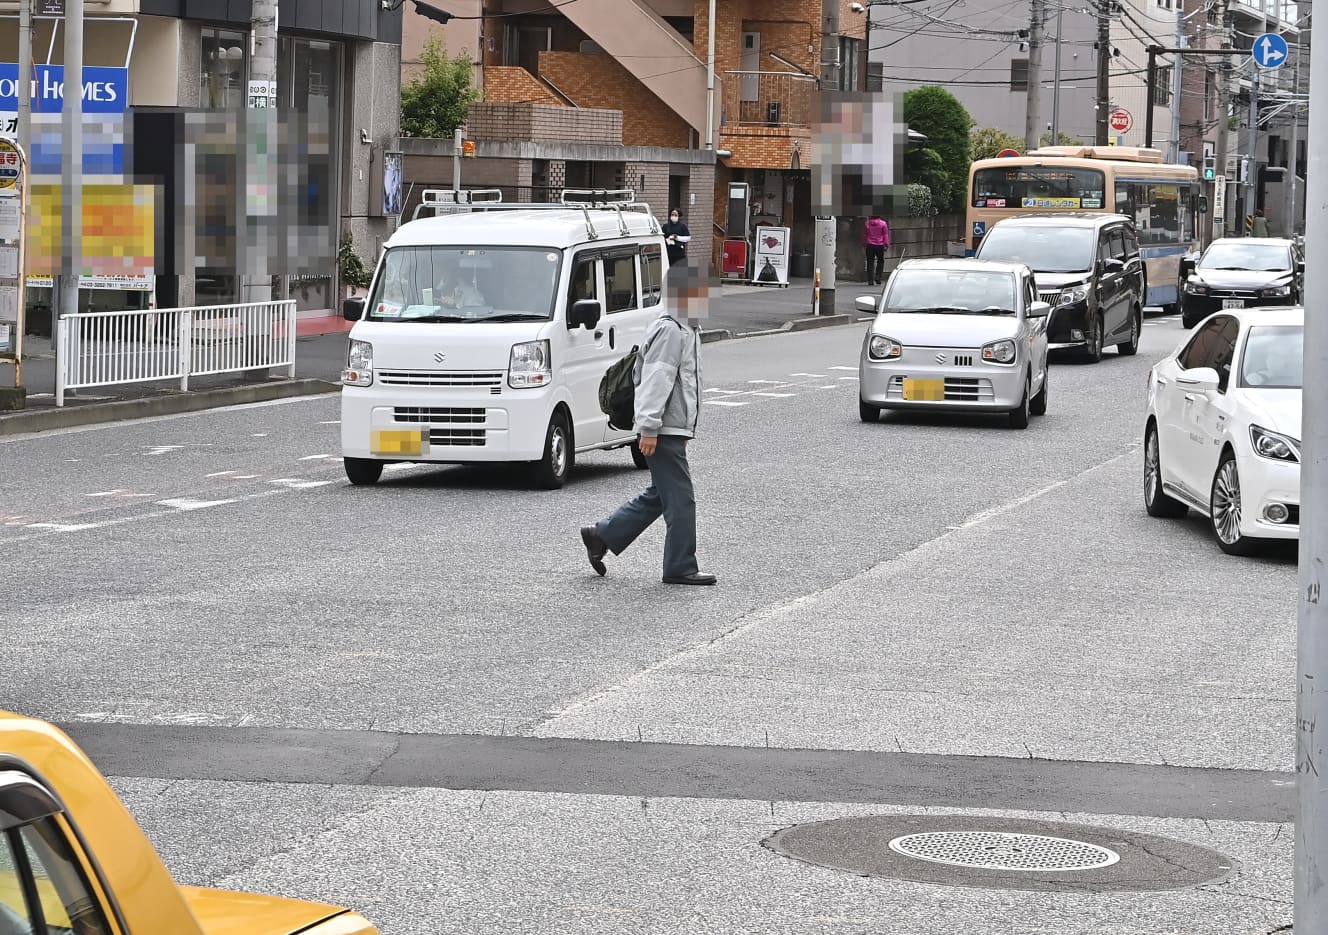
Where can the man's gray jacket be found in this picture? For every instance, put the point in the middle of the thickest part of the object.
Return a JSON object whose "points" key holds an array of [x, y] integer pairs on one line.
{"points": [[668, 379]]}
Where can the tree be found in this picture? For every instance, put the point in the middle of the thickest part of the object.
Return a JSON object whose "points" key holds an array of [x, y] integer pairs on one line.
{"points": [[937, 114], [1065, 140], [436, 103], [989, 141]]}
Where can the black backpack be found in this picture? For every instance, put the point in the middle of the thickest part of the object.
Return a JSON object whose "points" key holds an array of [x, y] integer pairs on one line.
{"points": [[617, 392]]}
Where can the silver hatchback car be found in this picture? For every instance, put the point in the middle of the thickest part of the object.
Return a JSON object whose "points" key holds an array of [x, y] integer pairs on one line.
{"points": [[956, 334]]}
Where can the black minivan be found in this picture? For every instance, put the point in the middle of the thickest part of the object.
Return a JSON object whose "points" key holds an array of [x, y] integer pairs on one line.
{"points": [[1087, 268]]}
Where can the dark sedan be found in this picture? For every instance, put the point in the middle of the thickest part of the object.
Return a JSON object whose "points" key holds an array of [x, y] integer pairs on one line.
{"points": [[1241, 272]]}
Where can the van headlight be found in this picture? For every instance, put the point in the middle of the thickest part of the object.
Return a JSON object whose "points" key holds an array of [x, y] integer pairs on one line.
{"points": [[530, 366], [1072, 294], [999, 352], [359, 364], [1274, 446], [882, 348]]}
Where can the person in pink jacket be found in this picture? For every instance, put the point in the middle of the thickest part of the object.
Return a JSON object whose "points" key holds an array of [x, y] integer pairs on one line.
{"points": [[877, 241]]}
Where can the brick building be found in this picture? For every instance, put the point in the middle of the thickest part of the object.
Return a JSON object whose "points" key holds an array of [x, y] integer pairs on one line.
{"points": [[609, 93]]}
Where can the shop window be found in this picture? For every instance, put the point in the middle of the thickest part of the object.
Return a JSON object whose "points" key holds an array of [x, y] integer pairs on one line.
{"points": [[224, 63]]}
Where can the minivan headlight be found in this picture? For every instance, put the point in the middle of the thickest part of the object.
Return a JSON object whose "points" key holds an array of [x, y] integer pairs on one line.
{"points": [[999, 352], [1273, 446], [530, 365], [1072, 294], [882, 348], [359, 364]]}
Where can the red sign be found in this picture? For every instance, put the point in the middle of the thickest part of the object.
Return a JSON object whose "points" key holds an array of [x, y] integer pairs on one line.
{"points": [[1007, 153], [1120, 120]]}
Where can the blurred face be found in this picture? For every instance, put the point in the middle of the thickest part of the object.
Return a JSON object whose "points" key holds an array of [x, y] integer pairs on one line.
{"points": [[674, 217]]}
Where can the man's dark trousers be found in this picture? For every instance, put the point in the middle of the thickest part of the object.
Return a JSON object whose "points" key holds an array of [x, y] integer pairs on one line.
{"points": [[670, 494]]}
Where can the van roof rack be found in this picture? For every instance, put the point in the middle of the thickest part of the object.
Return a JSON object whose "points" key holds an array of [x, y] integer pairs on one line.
{"points": [[440, 200]]}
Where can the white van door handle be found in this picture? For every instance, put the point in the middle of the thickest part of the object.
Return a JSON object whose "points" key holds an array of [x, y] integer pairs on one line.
{"points": [[610, 338]]}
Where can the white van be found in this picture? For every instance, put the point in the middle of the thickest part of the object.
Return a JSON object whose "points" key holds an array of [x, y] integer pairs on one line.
{"points": [[485, 335]]}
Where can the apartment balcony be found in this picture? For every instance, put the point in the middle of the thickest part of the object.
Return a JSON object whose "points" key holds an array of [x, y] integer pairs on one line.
{"points": [[769, 99]]}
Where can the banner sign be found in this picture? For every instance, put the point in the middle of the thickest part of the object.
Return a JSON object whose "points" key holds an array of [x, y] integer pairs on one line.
{"points": [[105, 90], [772, 256]]}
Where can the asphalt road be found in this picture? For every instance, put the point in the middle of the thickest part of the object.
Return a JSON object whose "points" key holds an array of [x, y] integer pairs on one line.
{"points": [[417, 699]]}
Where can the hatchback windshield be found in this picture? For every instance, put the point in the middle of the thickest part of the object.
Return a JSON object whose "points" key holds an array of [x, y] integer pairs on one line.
{"points": [[948, 291], [1253, 256], [466, 284], [1274, 355], [1043, 249]]}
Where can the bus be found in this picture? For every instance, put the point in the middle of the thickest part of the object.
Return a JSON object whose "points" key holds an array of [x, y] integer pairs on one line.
{"points": [[1162, 199]]}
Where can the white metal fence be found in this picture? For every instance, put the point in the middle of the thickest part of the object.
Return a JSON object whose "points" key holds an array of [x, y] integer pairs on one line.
{"points": [[111, 348]]}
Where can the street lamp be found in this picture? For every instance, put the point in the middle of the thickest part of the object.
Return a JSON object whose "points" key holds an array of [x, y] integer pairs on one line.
{"points": [[432, 12]]}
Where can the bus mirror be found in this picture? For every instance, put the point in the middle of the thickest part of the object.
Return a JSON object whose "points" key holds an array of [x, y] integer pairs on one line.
{"points": [[1203, 204]]}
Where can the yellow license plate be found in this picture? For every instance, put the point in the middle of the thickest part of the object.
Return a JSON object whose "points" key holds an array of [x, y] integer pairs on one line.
{"points": [[924, 390], [397, 441]]}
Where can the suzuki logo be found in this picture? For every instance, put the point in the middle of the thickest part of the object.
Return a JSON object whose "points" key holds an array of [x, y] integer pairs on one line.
{"points": [[439, 357], [940, 358]]}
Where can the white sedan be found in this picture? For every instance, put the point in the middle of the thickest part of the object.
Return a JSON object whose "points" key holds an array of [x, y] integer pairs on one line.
{"points": [[1223, 429]]}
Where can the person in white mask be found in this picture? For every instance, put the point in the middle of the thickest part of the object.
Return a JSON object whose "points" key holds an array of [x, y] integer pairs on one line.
{"points": [[676, 236]]}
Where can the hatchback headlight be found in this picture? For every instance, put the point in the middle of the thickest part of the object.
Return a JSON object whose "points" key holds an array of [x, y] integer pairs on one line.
{"points": [[999, 352], [1273, 446], [882, 348], [1276, 290], [359, 364], [530, 365], [1071, 295]]}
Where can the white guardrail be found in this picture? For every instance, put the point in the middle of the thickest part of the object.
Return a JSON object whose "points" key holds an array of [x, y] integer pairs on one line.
{"points": [[111, 348]]}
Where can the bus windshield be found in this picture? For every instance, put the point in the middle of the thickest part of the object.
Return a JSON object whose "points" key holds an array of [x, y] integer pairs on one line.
{"points": [[1039, 187]]}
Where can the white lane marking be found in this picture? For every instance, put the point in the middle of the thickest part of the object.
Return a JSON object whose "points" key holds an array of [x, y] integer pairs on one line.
{"points": [[295, 483], [829, 387], [724, 402], [318, 458], [331, 422], [777, 395], [221, 474], [843, 368], [163, 449], [775, 382], [108, 493], [62, 527], [259, 435], [185, 503], [848, 378], [819, 376]]}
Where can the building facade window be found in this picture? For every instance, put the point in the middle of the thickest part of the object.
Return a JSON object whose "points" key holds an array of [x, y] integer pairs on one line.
{"points": [[1019, 74], [1162, 90], [224, 69]]}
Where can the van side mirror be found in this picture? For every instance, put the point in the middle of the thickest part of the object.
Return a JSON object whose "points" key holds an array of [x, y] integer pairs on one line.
{"points": [[1186, 266], [1300, 267], [585, 313], [353, 309], [1203, 204], [1112, 265]]}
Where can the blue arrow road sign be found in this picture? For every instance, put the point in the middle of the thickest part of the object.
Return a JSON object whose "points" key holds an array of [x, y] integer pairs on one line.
{"points": [[1269, 51]]}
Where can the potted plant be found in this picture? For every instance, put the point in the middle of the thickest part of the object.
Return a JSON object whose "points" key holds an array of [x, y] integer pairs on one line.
{"points": [[354, 274]]}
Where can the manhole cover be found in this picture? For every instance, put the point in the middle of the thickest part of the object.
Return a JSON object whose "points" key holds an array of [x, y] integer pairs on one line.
{"points": [[1002, 853], [999, 850]]}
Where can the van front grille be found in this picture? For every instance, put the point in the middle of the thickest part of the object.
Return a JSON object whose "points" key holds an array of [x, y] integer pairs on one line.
{"points": [[450, 415]]}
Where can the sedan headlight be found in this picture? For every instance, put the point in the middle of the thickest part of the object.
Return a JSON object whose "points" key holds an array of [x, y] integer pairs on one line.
{"points": [[1276, 290], [882, 348], [999, 352], [1071, 295], [530, 365], [359, 365], [1195, 287], [1274, 446]]}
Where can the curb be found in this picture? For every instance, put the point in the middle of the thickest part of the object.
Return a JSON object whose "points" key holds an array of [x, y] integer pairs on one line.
{"points": [[797, 324], [43, 420]]}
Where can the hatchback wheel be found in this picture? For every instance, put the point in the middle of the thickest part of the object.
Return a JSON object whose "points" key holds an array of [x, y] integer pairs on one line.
{"points": [[1131, 347], [1038, 405], [1019, 416], [868, 413], [1224, 508], [363, 472], [1155, 499]]}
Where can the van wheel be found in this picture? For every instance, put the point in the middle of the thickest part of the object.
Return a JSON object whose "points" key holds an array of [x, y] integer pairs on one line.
{"points": [[363, 472], [550, 472], [1131, 347], [1093, 340], [637, 458]]}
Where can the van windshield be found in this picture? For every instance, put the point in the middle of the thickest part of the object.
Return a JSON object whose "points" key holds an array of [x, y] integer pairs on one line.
{"points": [[1043, 249], [466, 284]]}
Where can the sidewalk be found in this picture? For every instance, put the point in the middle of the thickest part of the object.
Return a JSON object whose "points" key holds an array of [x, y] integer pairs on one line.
{"points": [[321, 353]]}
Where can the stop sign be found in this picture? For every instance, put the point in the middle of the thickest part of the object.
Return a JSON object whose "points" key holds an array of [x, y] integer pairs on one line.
{"points": [[1120, 120]]}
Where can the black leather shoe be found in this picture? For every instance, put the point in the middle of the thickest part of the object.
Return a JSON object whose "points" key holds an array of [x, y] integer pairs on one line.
{"points": [[697, 578], [595, 549]]}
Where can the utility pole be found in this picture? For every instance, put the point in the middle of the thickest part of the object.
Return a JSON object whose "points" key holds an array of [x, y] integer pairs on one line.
{"points": [[1033, 114], [1177, 62], [1056, 82], [827, 227], [1223, 120], [1289, 211], [66, 288], [710, 79], [1311, 860], [1103, 69], [25, 75], [1252, 152], [261, 161]]}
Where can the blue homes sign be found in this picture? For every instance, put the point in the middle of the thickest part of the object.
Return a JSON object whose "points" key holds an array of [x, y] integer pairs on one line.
{"points": [[105, 90]]}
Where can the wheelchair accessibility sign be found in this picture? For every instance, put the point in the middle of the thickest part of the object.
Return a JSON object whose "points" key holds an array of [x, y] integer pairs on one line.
{"points": [[979, 228]]}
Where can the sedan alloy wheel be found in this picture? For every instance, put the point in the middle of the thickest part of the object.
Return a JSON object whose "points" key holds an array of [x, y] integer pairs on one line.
{"points": [[1224, 508]]}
